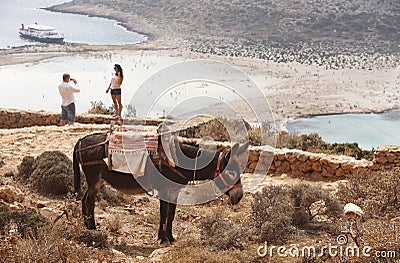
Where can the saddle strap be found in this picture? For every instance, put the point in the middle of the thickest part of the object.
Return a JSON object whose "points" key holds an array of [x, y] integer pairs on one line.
{"points": [[80, 150]]}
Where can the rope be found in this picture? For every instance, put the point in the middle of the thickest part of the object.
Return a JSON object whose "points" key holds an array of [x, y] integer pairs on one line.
{"points": [[195, 166]]}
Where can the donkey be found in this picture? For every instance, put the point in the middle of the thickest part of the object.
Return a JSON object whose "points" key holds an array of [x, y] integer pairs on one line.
{"points": [[90, 151]]}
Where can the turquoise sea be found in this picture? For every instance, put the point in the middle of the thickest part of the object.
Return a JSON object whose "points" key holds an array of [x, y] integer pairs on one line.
{"points": [[368, 130]]}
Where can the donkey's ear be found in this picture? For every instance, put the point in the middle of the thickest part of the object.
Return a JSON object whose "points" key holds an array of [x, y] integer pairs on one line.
{"points": [[243, 148]]}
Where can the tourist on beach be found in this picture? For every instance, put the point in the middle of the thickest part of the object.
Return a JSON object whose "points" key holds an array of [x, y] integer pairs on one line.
{"points": [[115, 86], [67, 91]]}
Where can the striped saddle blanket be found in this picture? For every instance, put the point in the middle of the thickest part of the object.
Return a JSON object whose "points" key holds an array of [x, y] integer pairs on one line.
{"points": [[128, 151]]}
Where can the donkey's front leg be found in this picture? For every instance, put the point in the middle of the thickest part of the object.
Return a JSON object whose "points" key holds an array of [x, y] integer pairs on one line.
{"points": [[163, 226], [170, 218]]}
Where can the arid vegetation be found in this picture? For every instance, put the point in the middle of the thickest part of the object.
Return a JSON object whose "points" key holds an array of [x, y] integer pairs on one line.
{"points": [[297, 214], [227, 130]]}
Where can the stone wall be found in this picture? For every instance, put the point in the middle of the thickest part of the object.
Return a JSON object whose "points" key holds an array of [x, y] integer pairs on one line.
{"points": [[387, 156], [10, 119], [261, 159], [312, 165], [318, 165]]}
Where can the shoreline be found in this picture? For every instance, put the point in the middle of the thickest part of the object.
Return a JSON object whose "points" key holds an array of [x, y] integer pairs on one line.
{"points": [[378, 112], [119, 22], [303, 91], [284, 98]]}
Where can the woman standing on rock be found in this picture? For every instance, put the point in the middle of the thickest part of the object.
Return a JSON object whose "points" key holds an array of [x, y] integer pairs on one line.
{"points": [[115, 86]]}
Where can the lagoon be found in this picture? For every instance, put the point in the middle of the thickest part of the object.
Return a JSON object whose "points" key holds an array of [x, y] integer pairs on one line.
{"points": [[34, 85], [368, 130]]}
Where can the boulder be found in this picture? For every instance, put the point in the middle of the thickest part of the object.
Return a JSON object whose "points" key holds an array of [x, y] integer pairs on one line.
{"points": [[11, 194], [353, 211]]}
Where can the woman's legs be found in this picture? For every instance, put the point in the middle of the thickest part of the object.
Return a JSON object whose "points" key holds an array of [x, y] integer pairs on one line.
{"points": [[114, 99], [117, 104]]}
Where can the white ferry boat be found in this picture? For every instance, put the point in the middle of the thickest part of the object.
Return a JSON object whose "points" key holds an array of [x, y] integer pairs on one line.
{"points": [[41, 33]]}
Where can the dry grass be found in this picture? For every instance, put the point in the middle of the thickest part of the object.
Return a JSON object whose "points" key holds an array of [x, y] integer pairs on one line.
{"points": [[377, 193], [49, 245], [113, 224]]}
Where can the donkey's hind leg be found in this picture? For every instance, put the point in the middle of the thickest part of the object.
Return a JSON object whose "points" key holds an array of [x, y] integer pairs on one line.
{"points": [[88, 201]]}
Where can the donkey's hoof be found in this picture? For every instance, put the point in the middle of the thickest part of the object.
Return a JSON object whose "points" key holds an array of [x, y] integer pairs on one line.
{"points": [[171, 239], [165, 242]]}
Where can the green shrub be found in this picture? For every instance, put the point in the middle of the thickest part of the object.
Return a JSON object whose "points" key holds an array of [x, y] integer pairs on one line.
{"points": [[25, 168], [222, 129], [314, 143], [111, 196], [27, 222], [52, 174]]}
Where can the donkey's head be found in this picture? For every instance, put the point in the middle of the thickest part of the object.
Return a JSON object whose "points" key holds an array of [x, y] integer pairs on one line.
{"points": [[231, 167]]}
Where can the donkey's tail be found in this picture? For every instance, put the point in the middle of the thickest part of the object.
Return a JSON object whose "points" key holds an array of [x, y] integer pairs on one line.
{"points": [[77, 171]]}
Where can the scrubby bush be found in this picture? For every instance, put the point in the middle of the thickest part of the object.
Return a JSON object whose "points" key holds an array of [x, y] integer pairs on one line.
{"points": [[27, 222], [239, 129], [47, 246], [304, 196], [52, 173], [98, 107], [25, 168], [263, 135], [273, 214], [314, 143], [95, 238], [221, 234], [111, 196], [377, 193], [280, 211], [130, 110], [381, 235]]}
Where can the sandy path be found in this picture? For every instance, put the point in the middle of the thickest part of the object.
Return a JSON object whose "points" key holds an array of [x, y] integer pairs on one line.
{"points": [[18, 143]]}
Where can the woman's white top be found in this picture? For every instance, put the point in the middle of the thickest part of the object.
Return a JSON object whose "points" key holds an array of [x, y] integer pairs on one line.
{"points": [[115, 82]]}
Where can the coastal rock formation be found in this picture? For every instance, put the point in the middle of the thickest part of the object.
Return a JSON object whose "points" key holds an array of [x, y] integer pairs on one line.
{"points": [[336, 34]]}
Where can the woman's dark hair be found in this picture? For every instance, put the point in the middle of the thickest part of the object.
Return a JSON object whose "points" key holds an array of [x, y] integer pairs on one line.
{"points": [[119, 69]]}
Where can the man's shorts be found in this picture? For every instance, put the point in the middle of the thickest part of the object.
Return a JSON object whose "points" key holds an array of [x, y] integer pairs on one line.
{"points": [[68, 113]]}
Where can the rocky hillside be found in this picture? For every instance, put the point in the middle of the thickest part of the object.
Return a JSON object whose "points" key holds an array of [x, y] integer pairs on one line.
{"points": [[367, 26]]}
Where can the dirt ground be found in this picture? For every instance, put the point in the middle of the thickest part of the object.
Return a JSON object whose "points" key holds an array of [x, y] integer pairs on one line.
{"points": [[132, 226]]}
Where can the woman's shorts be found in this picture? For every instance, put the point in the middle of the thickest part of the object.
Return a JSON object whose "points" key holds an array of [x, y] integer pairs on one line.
{"points": [[116, 92]]}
